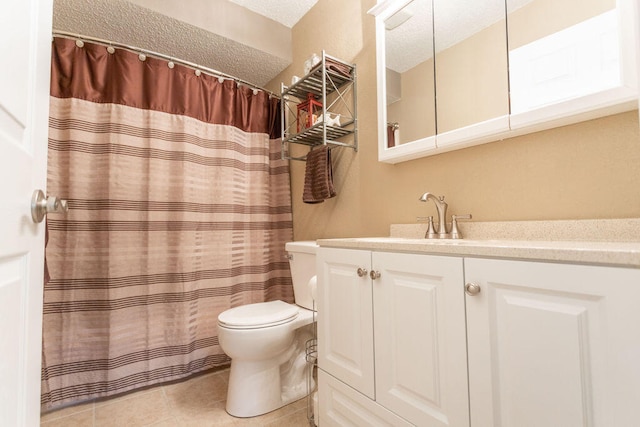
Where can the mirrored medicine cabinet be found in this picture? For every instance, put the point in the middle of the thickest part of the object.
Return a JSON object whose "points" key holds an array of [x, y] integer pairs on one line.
{"points": [[456, 73]]}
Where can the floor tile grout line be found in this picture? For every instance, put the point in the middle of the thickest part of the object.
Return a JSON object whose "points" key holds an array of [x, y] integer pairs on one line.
{"points": [[70, 414], [176, 417], [167, 404]]}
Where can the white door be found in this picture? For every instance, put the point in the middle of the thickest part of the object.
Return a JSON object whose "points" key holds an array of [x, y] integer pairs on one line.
{"points": [[25, 46], [345, 317], [420, 338], [552, 344]]}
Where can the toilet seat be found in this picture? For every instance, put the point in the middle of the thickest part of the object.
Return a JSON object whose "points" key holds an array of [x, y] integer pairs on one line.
{"points": [[258, 315]]}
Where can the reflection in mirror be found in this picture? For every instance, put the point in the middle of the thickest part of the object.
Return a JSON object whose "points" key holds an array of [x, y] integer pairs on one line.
{"points": [[409, 74], [561, 49], [472, 83]]}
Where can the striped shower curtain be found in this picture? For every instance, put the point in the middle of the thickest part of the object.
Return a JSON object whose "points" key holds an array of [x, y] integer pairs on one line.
{"points": [[179, 209]]}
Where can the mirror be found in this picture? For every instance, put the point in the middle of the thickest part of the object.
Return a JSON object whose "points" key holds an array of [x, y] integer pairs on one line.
{"points": [[472, 84], [570, 60], [410, 96], [558, 62], [561, 49], [406, 88]]}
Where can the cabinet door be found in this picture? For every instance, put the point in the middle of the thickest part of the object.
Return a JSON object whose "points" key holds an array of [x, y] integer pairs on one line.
{"points": [[570, 60], [420, 338], [553, 344], [472, 80], [345, 317]]}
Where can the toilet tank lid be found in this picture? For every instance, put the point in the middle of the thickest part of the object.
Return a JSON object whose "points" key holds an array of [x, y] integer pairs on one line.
{"points": [[308, 246]]}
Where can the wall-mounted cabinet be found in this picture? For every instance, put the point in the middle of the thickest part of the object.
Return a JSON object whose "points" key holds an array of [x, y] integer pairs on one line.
{"points": [[500, 69], [320, 108]]}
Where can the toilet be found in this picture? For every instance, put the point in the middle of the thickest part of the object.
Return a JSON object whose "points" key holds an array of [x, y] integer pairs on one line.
{"points": [[266, 343]]}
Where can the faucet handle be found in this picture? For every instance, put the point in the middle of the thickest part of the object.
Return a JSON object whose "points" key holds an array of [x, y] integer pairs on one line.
{"points": [[455, 233], [431, 231], [467, 216]]}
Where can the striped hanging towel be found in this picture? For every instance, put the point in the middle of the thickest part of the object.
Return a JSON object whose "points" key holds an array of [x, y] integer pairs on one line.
{"points": [[318, 178]]}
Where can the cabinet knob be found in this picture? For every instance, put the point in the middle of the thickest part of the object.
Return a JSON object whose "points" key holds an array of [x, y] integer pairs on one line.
{"points": [[374, 275], [362, 272], [472, 289]]}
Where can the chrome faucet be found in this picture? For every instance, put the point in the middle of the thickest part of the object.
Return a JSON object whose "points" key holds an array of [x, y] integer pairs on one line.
{"points": [[441, 207]]}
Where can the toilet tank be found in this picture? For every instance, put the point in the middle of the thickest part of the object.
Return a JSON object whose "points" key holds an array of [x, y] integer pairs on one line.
{"points": [[302, 262]]}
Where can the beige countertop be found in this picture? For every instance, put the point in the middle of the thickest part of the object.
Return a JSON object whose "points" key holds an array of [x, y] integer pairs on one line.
{"points": [[602, 253], [600, 242]]}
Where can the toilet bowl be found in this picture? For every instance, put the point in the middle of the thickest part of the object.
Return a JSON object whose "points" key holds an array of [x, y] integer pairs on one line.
{"points": [[266, 343]]}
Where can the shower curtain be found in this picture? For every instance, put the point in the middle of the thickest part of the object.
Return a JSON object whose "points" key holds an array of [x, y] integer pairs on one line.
{"points": [[180, 208]]}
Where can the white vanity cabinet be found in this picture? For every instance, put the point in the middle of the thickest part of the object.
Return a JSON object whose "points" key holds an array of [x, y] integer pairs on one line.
{"points": [[392, 327], [553, 344], [542, 343]]}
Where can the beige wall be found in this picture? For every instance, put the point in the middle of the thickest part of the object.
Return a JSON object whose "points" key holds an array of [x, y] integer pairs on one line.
{"points": [[587, 170]]}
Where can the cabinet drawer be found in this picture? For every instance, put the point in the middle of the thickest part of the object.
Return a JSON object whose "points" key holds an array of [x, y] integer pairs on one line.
{"points": [[342, 406]]}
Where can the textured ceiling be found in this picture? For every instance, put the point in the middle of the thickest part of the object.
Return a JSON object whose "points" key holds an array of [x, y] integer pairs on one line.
{"points": [[124, 22], [411, 42], [287, 12]]}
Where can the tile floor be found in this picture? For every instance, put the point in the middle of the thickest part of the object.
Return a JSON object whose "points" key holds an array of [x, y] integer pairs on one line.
{"points": [[198, 401]]}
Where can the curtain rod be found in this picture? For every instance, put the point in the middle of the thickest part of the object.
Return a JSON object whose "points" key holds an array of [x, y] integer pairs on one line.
{"points": [[192, 65]]}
